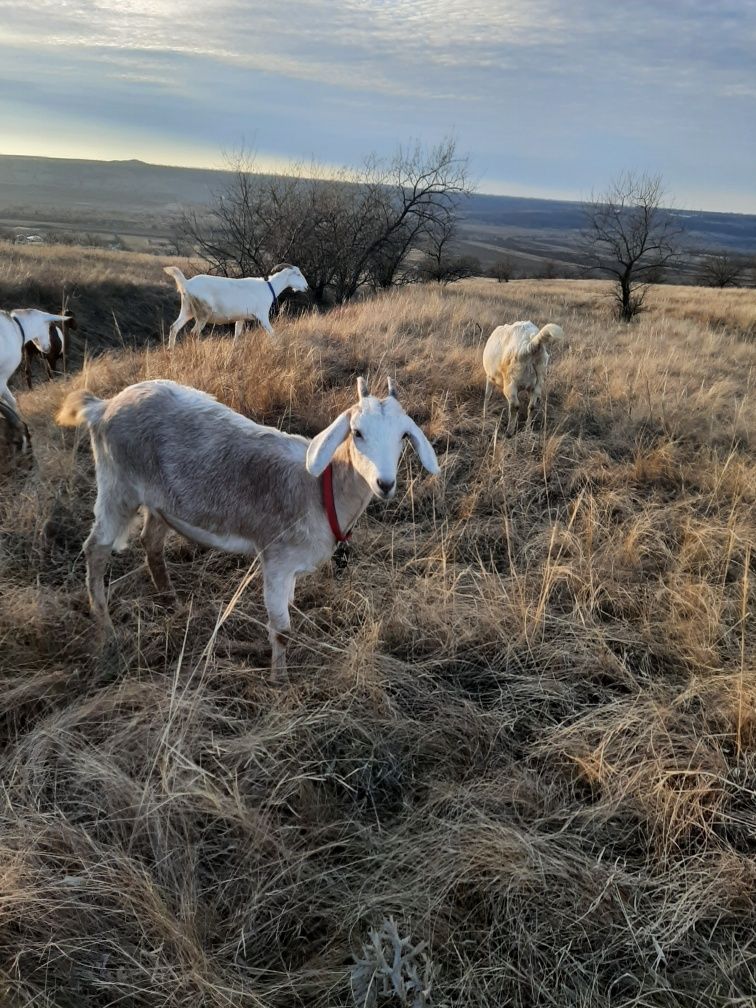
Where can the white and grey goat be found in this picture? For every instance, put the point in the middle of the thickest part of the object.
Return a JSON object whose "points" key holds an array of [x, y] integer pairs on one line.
{"points": [[218, 300], [17, 329], [221, 480]]}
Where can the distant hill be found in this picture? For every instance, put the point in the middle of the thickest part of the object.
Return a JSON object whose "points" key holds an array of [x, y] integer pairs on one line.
{"points": [[141, 202], [549, 229], [102, 185]]}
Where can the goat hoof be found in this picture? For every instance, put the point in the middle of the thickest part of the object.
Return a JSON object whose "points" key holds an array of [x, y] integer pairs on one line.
{"points": [[110, 662], [103, 635], [279, 674]]}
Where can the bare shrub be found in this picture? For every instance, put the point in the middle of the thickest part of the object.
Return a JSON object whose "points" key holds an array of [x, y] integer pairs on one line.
{"points": [[440, 261], [502, 270], [723, 269], [631, 237], [345, 229]]}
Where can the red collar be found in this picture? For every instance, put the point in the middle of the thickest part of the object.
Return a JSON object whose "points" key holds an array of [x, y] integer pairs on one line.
{"points": [[330, 507]]}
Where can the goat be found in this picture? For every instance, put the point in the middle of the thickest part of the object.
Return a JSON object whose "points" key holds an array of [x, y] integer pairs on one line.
{"points": [[221, 480], [516, 360], [59, 344], [17, 328], [15, 441], [218, 300]]}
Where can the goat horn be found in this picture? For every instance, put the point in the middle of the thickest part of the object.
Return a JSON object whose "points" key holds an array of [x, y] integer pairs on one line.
{"points": [[392, 389], [362, 389]]}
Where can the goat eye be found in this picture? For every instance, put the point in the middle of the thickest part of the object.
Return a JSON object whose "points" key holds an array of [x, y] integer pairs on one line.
{"points": [[357, 433]]}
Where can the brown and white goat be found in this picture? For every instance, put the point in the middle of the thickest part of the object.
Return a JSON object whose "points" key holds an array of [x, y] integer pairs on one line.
{"points": [[18, 328], [59, 346]]}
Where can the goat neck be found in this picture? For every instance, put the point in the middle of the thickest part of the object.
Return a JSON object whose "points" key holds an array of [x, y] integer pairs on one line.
{"points": [[279, 282], [24, 338], [351, 493]]}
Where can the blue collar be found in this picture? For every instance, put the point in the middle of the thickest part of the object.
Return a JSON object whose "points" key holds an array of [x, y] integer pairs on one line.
{"points": [[21, 328], [275, 298]]}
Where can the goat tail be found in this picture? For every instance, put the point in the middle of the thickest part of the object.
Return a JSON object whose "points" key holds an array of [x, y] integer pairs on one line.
{"points": [[177, 275], [549, 334], [79, 407]]}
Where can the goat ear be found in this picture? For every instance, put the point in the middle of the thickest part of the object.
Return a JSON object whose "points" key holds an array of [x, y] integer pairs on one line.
{"points": [[323, 445], [423, 447]]}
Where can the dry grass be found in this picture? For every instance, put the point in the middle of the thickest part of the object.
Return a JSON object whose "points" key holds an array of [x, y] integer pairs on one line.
{"points": [[119, 299], [522, 723]]}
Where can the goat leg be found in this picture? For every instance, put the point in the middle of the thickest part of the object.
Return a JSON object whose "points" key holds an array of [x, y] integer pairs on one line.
{"points": [[278, 589], [97, 555], [153, 536]]}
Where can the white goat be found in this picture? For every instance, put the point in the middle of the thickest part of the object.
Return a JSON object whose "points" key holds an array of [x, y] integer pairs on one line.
{"points": [[515, 359], [17, 328], [222, 480], [219, 300]]}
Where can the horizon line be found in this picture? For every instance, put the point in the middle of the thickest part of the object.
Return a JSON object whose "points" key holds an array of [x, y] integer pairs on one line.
{"points": [[271, 171]]}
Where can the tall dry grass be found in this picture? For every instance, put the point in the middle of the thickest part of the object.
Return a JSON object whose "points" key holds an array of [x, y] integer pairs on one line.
{"points": [[522, 722], [120, 299]]}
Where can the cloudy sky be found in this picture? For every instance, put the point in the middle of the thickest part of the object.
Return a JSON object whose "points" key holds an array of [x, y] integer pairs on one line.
{"points": [[549, 98]]}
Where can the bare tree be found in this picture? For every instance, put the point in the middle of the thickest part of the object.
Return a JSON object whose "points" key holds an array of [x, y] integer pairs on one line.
{"points": [[440, 263], [258, 220], [629, 236], [722, 269], [549, 270], [344, 229], [502, 270]]}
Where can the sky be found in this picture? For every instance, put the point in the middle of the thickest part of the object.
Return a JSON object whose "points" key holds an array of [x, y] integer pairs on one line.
{"points": [[548, 98]]}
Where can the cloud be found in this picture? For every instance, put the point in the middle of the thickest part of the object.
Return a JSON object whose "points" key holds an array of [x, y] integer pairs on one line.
{"points": [[389, 46], [378, 46], [557, 95]]}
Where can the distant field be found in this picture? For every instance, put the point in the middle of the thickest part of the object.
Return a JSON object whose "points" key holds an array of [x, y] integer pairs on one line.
{"points": [[522, 722], [140, 205]]}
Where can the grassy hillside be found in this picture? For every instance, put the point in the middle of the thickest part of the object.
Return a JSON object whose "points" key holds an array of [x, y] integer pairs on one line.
{"points": [[125, 300], [522, 722], [119, 299]]}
